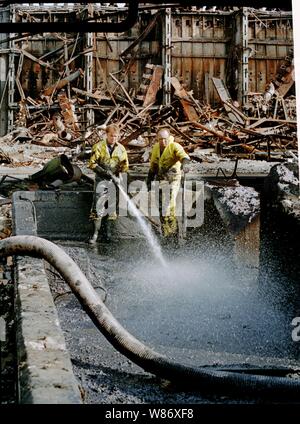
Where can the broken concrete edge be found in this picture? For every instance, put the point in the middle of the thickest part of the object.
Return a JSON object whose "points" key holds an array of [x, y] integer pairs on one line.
{"points": [[45, 374], [237, 206], [282, 185]]}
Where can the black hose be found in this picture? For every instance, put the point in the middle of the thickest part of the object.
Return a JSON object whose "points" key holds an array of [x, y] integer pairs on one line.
{"points": [[203, 377]]}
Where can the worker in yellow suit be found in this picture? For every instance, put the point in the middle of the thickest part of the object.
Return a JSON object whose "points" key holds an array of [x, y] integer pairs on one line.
{"points": [[167, 159], [108, 157]]}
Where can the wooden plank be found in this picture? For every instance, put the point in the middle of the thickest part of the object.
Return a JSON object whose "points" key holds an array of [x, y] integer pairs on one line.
{"points": [[211, 131], [124, 91], [154, 86], [67, 111], [97, 96], [189, 110], [62, 83], [225, 97]]}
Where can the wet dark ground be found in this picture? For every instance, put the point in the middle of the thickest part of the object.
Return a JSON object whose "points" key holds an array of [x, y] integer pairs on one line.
{"points": [[8, 389], [201, 310]]}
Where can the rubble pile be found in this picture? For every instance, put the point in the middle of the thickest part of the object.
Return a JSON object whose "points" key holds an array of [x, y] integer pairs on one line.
{"points": [[226, 129], [62, 102]]}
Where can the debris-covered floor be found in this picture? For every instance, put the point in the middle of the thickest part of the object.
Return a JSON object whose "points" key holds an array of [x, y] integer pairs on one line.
{"points": [[8, 370]]}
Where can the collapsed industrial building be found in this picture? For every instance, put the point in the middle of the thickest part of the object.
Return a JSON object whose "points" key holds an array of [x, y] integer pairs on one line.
{"points": [[222, 80], [220, 86]]}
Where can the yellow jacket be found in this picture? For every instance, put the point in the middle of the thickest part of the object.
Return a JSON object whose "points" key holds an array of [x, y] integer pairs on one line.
{"points": [[118, 161], [169, 160]]}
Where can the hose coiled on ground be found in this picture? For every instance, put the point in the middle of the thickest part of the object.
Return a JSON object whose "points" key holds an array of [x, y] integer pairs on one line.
{"points": [[208, 378]]}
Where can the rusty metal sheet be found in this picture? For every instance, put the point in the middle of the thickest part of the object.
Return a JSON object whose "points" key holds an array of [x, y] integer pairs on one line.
{"points": [[261, 75], [282, 51], [220, 49], [225, 97], [154, 85], [176, 67], [271, 69], [271, 50], [189, 110], [208, 28], [186, 26]]}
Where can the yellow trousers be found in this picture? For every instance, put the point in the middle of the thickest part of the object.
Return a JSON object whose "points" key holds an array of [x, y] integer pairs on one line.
{"points": [[169, 189]]}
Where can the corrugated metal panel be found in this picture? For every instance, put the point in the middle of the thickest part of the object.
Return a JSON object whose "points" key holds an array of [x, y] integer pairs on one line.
{"points": [[148, 51], [200, 46], [196, 53]]}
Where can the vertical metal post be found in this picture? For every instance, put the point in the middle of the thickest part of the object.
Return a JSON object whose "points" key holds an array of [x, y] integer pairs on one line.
{"points": [[245, 55], [167, 43], [11, 76], [4, 17], [90, 117], [242, 41]]}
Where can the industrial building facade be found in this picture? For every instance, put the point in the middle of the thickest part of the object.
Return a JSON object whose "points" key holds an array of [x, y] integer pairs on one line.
{"points": [[241, 46]]}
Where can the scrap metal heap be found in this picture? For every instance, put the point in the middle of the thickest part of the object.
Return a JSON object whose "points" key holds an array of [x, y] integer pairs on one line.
{"points": [[55, 116]]}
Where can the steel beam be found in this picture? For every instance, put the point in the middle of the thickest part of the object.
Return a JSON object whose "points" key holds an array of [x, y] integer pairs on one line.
{"points": [[90, 116], [167, 44], [11, 75], [242, 40], [4, 17]]}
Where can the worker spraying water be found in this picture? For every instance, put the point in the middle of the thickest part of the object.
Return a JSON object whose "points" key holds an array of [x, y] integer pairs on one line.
{"points": [[109, 159], [167, 159]]}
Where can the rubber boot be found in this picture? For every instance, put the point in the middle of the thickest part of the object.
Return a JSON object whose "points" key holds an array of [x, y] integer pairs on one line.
{"points": [[97, 226], [106, 230]]}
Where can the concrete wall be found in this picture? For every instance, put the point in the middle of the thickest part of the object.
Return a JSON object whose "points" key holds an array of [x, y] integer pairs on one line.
{"points": [[62, 215], [53, 215], [44, 368]]}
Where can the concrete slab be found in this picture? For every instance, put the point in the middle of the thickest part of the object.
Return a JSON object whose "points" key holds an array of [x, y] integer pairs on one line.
{"points": [[44, 367]]}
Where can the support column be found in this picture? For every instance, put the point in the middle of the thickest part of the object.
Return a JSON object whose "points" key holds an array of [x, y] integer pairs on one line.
{"points": [[11, 76], [242, 41], [4, 17], [167, 58], [90, 117]]}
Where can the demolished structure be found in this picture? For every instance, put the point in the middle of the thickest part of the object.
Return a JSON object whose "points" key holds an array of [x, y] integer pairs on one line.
{"points": [[221, 79], [197, 70]]}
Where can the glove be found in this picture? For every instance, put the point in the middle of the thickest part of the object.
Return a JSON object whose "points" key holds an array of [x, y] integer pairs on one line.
{"points": [[101, 171], [185, 165], [149, 180], [106, 167]]}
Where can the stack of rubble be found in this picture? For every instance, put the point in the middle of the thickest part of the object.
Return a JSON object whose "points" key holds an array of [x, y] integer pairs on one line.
{"points": [[264, 129]]}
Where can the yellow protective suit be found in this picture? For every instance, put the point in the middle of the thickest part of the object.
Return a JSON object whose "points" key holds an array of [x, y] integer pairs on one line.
{"points": [[118, 162], [167, 167]]}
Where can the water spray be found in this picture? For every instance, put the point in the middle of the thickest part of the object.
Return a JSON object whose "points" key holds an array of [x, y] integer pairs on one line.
{"points": [[141, 220]]}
